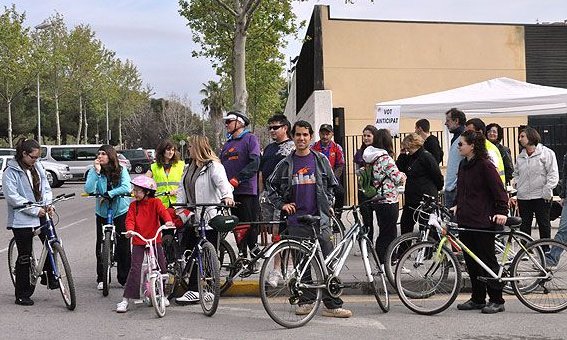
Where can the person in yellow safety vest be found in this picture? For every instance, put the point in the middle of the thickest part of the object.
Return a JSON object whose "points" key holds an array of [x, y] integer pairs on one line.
{"points": [[167, 171], [476, 124]]}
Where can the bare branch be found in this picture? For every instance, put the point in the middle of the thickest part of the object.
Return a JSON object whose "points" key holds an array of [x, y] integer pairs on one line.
{"points": [[226, 7], [249, 11]]}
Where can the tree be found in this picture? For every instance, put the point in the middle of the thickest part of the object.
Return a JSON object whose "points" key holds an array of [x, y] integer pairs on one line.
{"points": [[16, 66], [214, 104], [222, 30]]}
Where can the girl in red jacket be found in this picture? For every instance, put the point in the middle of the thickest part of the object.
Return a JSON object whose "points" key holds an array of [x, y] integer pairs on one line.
{"points": [[143, 217]]}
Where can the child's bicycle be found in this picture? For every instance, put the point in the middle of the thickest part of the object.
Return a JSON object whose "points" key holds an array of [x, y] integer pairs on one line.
{"points": [[202, 258], [152, 280], [52, 251], [108, 242]]}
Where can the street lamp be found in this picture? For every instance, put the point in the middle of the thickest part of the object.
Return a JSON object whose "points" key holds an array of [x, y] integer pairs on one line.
{"points": [[45, 24]]}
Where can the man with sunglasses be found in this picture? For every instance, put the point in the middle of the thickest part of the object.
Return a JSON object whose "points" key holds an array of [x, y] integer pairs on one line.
{"points": [[240, 157]]}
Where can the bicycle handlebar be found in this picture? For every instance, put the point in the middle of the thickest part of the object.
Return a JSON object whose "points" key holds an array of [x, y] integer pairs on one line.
{"points": [[196, 205], [57, 199], [134, 233]]}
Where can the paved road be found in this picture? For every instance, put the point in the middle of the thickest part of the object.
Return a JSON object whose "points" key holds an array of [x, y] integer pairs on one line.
{"points": [[237, 318]]}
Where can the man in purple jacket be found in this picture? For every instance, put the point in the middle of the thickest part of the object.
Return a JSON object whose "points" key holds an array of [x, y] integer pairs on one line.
{"points": [[240, 157]]}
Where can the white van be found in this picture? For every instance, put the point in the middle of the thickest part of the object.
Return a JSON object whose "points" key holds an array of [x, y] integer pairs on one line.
{"points": [[78, 157]]}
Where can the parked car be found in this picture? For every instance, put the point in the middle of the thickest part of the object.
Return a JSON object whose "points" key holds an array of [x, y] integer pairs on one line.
{"points": [[139, 159], [3, 164], [57, 173], [125, 162], [78, 157], [7, 152]]}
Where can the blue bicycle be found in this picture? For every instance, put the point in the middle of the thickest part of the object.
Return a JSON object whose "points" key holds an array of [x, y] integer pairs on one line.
{"points": [[52, 251]]}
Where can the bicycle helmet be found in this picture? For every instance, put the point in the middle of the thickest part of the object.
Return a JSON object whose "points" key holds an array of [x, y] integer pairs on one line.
{"points": [[145, 182], [237, 115], [223, 224]]}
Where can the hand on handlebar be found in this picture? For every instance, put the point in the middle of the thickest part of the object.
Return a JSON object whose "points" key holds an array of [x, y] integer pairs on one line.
{"points": [[129, 234], [169, 224], [289, 208], [228, 201], [41, 212], [499, 219]]}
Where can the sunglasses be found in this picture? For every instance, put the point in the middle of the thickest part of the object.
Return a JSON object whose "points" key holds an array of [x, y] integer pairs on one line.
{"points": [[460, 144], [274, 127], [32, 157]]}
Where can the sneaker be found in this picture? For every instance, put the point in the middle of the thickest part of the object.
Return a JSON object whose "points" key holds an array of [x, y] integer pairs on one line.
{"points": [[470, 305], [100, 286], [26, 301], [189, 297], [492, 308], [304, 309], [52, 284], [337, 313], [274, 278], [122, 307], [167, 302]]}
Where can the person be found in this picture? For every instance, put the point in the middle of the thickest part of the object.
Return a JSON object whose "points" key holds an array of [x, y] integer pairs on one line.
{"points": [[112, 181], [334, 153], [369, 135], [166, 171], [552, 258], [431, 143], [282, 145], [24, 180], [203, 181], [144, 215], [423, 177], [303, 183], [481, 202], [240, 156], [494, 134], [536, 175], [454, 121], [387, 178], [476, 124]]}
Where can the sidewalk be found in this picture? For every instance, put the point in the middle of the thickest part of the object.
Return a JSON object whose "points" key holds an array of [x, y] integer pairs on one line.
{"points": [[353, 271]]}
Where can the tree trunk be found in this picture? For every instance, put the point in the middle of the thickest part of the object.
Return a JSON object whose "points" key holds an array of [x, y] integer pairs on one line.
{"points": [[239, 65], [10, 137], [86, 136], [120, 130], [80, 119], [57, 122]]}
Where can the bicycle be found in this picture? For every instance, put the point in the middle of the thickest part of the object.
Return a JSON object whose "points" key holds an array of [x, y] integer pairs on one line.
{"points": [[204, 256], [305, 273], [434, 271], [152, 280], [428, 208], [108, 242], [52, 251]]}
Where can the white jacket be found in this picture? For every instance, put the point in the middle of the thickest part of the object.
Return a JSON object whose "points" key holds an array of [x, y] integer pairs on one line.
{"points": [[211, 187], [536, 175]]}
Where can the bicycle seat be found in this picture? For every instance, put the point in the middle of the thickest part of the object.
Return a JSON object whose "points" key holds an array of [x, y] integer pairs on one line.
{"points": [[308, 219], [513, 221]]}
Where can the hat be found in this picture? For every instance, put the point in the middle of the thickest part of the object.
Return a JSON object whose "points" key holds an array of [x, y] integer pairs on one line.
{"points": [[237, 115], [326, 127]]}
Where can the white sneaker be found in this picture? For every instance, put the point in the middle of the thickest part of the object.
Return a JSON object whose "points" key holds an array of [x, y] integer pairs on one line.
{"points": [[100, 286], [122, 307], [189, 297], [167, 302], [274, 278], [304, 309]]}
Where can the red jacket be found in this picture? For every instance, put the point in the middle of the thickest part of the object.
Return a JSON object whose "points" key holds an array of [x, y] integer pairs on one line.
{"points": [[333, 152], [144, 218]]}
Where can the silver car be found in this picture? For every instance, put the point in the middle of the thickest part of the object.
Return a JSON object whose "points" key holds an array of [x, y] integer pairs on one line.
{"points": [[57, 173]]}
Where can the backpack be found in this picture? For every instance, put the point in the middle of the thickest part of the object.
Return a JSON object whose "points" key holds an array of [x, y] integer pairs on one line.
{"points": [[366, 181]]}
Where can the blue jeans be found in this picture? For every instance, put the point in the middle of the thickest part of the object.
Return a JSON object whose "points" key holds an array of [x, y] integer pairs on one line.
{"points": [[555, 252], [449, 198]]}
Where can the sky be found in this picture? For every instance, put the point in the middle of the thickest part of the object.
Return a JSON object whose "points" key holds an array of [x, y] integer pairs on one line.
{"points": [[155, 37]]}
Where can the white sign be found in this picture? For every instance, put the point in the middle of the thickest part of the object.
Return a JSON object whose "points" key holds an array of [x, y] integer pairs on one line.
{"points": [[388, 117]]}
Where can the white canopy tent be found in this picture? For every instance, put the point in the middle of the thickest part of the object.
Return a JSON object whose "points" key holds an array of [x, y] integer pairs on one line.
{"points": [[500, 96]]}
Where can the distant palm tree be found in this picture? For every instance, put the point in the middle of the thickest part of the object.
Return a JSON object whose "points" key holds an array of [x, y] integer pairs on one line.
{"points": [[213, 104]]}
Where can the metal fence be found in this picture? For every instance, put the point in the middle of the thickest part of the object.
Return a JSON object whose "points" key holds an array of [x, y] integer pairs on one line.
{"points": [[553, 136]]}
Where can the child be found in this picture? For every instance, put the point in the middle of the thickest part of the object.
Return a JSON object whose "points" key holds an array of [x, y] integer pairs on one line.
{"points": [[143, 217]]}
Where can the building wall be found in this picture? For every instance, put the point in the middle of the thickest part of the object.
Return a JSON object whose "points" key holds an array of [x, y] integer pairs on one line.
{"points": [[366, 62]]}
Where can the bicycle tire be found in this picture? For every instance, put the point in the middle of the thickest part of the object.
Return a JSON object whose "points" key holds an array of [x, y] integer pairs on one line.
{"points": [[378, 284], [281, 302], [390, 259], [500, 243], [106, 262], [438, 274], [157, 295], [66, 283], [548, 294], [12, 258], [208, 279], [227, 260]]}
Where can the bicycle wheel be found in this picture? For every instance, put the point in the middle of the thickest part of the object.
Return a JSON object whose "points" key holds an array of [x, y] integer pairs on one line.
{"points": [[157, 294], [396, 249], [379, 288], [12, 258], [286, 297], [423, 272], [227, 258], [106, 262], [515, 247], [63, 273], [542, 285], [338, 229], [208, 279]]}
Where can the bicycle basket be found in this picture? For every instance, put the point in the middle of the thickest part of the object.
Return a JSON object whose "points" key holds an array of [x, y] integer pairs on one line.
{"points": [[223, 224]]}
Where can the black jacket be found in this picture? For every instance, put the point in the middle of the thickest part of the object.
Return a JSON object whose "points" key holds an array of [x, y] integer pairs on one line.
{"points": [[423, 175], [432, 145]]}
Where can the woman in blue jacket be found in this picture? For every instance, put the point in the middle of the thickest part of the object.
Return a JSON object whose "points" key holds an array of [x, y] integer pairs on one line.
{"points": [[109, 179], [23, 181]]}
